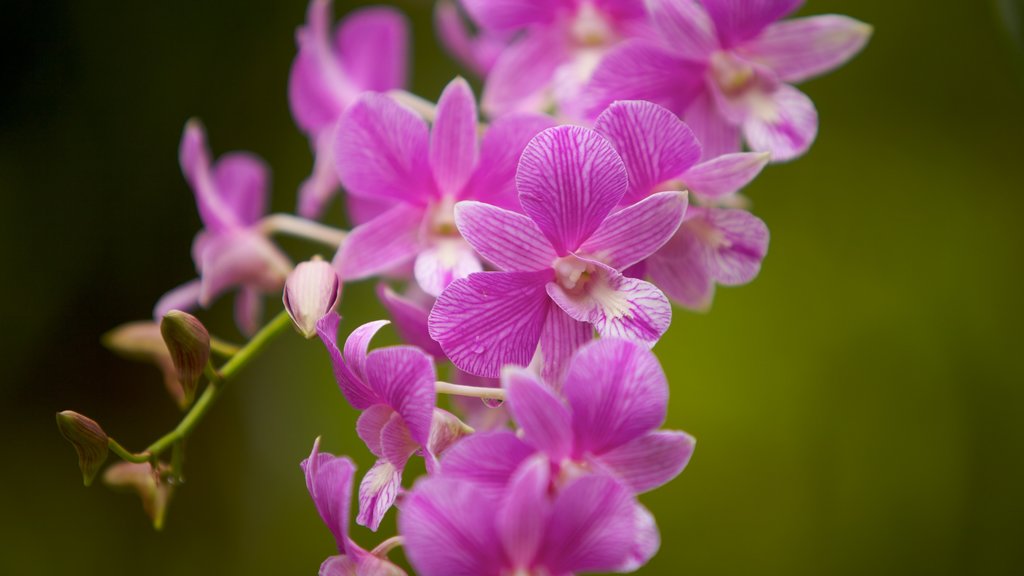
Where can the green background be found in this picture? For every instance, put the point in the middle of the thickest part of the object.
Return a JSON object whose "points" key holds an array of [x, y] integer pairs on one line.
{"points": [[858, 407]]}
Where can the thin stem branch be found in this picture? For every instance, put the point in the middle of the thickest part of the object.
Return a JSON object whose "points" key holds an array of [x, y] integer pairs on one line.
{"points": [[125, 455], [223, 348], [387, 546], [297, 227], [471, 391]]}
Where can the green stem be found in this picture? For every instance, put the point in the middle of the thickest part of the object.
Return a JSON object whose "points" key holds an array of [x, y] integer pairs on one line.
{"points": [[125, 455], [222, 348]]}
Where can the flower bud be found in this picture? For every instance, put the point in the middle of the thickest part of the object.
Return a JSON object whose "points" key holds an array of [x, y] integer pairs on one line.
{"points": [[89, 440], [148, 483], [311, 292], [189, 345]]}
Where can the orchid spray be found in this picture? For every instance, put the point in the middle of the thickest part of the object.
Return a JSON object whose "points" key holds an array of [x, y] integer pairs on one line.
{"points": [[533, 254]]}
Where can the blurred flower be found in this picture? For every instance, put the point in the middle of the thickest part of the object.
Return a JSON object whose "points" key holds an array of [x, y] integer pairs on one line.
{"points": [[726, 67], [148, 483], [311, 292], [143, 341], [476, 51], [367, 51], [560, 263]]}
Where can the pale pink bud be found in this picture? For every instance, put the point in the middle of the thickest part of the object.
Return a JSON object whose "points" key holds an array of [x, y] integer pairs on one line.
{"points": [[147, 482], [311, 292], [189, 344]]}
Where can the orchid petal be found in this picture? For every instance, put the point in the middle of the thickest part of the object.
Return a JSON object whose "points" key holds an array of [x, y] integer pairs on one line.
{"points": [[318, 88], [501, 15], [680, 269], [448, 526], [359, 564], [520, 80], [241, 257], [740, 20], [242, 181], [329, 482], [654, 144], [491, 319], [373, 44], [404, 378], [184, 298], [646, 540], [737, 247], [453, 146], [569, 180], [410, 320], [391, 239], [509, 240], [447, 261], [445, 431], [617, 306], [715, 133], [617, 392], [649, 461], [248, 310], [493, 180], [487, 460], [685, 26], [725, 174], [316, 191], [194, 157], [561, 337], [783, 122], [476, 51], [370, 424], [542, 416], [377, 493], [798, 50], [381, 150], [396, 442], [348, 370], [635, 232], [525, 512]]}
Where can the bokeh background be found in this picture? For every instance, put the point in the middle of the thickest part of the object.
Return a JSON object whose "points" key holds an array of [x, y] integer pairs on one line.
{"points": [[859, 407]]}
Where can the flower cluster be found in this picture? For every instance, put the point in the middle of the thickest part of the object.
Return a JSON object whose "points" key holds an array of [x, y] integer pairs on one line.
{"points": [[537, 249]]}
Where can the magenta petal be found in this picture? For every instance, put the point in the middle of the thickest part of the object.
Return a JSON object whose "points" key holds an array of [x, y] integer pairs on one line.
{"points": [[396, 442], [617, 392], [377, 493], [410, 318], [635, 232], [194, 157], [509, 240], [448, 526], [453, 139], [617, 306], [569, 180], [242, 257], [561, 338], [715, 133], [649, 461], [646, 540], [644, 70], [739, 20], [486, 459], [725, 174], [404, 378], [248, 310], [387, 241], [680, 269], [448, 260], [349, 375], [374, 47], [735, 246], [513, 14], [685, 26], [491, 319], [370, 424], [329, 481], [184, 298], [242, 181], [381, 150], [476, 50], [525, 512], [654, 144], [318, 89], [502, 145], [591, 527], [446, 430], [797, 50], [785, 123], [359, 563], [357, 346], [520, 80], [316, 191], [542, 416]]}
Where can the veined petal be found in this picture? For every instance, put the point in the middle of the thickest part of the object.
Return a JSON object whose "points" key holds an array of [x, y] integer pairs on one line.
{"points": [[520, 80], [685, 26], [449, 529], [735, 246], [641, 69], [453, 149], [561, 338], [525, 512], [569, 180], [542, 416], [391, 239], [357, 346], [635, 232], [447, 261], [783, 122], [797, 50], [240, 257], [740, 20], [446, 431], [373, 44], [396, 442], [404, 377], [617, 392], [500, 15], [359, 564], [370, 424], [194, 157], [329, 482], [649, 461], [381, 150], [487, 460], [654, 144], [680, 269], [377, 493], [725, 174], [491, 319], [242, 180], [646, 540], [591, 527], [509, 240], [716, 134], [410, 320], [349, 375], [502, 145], [617, 306]]}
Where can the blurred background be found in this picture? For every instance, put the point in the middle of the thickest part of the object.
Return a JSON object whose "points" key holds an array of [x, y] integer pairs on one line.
{"points": [[858, 407]]}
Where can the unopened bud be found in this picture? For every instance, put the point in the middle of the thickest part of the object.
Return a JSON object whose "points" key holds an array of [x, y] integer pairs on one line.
{"points": [[189, 345], [89, 440], [148, 483], [311, 292]]}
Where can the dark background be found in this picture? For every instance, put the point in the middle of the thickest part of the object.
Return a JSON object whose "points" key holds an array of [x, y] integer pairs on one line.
{"points": [[858, 407]]}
